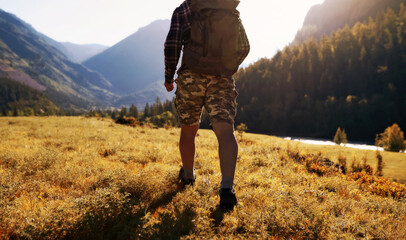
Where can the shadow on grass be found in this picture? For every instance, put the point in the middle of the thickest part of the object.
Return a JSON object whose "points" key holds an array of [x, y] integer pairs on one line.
{"points": [[105, 225], [173, 227], [165, 199], [218, 215], [129, 222]]}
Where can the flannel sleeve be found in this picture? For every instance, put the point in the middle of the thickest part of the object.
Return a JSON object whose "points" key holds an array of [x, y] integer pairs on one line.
{"points": [[173, 47], [243, 45]]}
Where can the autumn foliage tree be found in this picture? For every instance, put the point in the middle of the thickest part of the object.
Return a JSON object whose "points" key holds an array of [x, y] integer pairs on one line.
{"points": [[392, 139]]}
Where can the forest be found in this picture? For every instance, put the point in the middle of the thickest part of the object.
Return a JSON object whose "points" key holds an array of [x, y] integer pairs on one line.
{"points": [[354, 79], [17, 99]]}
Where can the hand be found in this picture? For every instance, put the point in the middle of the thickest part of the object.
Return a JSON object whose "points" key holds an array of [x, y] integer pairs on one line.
{"points": [[169, 86]]}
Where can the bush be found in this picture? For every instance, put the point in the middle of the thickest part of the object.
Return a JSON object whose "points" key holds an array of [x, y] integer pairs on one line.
{"points": [[367, 168], [128, 121], [356, 165], [241, 129], [166, 118], [342, 161], [392, 139], [340, 137], [379, 185], [379, 164]]}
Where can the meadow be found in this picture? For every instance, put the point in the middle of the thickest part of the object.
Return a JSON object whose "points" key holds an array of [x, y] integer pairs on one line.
{"points": [[89, 178]]}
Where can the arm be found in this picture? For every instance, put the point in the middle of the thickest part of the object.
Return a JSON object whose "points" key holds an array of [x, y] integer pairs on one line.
{"points": [[173, 47]]}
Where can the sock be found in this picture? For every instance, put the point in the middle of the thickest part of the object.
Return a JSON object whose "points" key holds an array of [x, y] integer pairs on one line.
{"points": [[227, 182], [189, 173]]}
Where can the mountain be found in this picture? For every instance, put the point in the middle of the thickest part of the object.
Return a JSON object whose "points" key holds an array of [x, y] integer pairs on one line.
{"points": [[81, 52], [66, 83], [322, 19], [353, 79], [76, 52], [148, 95], [137, 61]]}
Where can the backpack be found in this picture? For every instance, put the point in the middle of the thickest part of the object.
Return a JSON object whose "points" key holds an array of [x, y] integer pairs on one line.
{"points": [[214, 35]]}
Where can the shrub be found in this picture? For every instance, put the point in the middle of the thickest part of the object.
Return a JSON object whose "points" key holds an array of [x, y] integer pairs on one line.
{"points": [[380, 164], [128, 121], [166, 118], [392, 139], [379, 185], [356, 166], [241, 129], [340, 136], [343, 163], [367, 168]]}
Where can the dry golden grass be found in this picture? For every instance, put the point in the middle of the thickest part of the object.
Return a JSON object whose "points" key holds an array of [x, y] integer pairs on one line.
{"points": [[395, 163], [88, 178]]}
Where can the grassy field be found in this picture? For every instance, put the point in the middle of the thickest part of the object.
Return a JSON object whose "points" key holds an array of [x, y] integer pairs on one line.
{"points": [[88, 178], [395, 163]]}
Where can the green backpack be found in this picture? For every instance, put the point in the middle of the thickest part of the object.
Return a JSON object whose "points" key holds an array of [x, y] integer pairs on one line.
{"points": [[215, 31]]}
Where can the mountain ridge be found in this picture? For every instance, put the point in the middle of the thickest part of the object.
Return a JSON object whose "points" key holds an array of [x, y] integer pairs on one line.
{"points": [[124, 67], [68, 84], [76, 52], [82, 52], [324, 18]]}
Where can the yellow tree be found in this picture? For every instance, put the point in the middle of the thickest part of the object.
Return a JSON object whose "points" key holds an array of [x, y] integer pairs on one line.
{"points": [[392, 139]]}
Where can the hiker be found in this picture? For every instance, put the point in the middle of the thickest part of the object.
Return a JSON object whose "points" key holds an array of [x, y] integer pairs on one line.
{"points": [[205, 79]]}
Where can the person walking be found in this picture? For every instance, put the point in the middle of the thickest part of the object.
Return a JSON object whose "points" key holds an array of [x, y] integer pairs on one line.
{"points": [[214, 44]]}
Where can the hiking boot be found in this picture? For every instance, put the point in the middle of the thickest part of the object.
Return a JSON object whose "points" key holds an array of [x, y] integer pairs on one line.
{"points": [[227, 198], [186, 181]]}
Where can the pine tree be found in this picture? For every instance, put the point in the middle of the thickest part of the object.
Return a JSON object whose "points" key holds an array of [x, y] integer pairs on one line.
{"points": [[123, 112], [15, 111], [157, 107], [147, 111], [4, 111], [133, 111], [340, 136]]}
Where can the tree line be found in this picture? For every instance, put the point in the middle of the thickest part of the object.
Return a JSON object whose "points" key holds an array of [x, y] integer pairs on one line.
{"points": [[355, 78], [17, 99], [156, 114]]}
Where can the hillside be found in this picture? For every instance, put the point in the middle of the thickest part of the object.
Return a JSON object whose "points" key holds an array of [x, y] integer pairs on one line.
{"points": [[135, 62], [68, 84], [19, 99], [7, 71], [148, 95], [332, 15], [353, 79], [88, 178]]}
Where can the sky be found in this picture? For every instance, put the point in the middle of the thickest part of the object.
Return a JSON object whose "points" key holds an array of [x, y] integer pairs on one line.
{"points": [[270, 24]]}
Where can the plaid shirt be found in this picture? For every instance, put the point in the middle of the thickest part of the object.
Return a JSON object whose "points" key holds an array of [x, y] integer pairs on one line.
{"points": [[179, 35]]}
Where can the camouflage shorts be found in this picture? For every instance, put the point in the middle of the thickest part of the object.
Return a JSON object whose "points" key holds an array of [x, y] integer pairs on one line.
{"points": [[216, 94]]}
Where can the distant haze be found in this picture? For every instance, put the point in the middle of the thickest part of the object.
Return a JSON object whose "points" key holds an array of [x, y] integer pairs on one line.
{"points": [[270, 25]]}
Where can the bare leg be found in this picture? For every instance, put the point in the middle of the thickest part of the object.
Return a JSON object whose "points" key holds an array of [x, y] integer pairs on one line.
{"points": [[228, 148], [187, 145]]}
